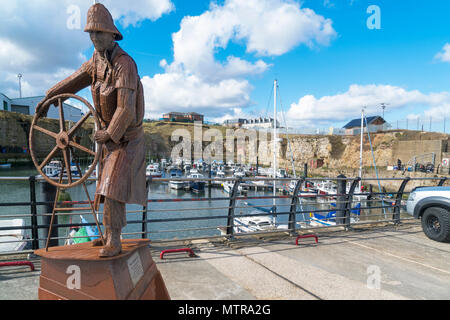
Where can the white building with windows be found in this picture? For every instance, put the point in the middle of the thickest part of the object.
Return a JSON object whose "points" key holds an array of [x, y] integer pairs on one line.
{"points": [[28, 106], [259, 123]]}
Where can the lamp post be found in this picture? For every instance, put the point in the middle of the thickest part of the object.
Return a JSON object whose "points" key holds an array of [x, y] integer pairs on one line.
{"points": [[20, 84], [383, 106]]}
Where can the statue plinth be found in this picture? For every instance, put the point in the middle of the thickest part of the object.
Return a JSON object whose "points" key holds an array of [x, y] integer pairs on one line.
{"points": [[77, 273]]}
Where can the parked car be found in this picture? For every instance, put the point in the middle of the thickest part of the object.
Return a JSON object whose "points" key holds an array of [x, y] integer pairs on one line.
{"points": [[432, 206]]}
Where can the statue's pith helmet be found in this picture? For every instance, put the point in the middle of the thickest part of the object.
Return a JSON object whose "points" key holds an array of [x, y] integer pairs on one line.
{"points": [[99, 19]]}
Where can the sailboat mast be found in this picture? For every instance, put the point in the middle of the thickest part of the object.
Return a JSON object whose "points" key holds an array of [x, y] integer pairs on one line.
{"points": [[275, 138], [361, 147]]}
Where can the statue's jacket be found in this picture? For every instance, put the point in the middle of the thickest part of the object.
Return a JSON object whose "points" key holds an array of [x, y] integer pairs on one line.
{"points": [[118, 98]]}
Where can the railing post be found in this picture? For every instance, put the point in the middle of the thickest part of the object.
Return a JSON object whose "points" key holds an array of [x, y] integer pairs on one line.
{"points": [[348, 209], [442, 181], [209, 181], [34, 222], [340, 200], [369, 199], [50, 192], [231, 207], [398, 201], [145, 212], [294, 202]]}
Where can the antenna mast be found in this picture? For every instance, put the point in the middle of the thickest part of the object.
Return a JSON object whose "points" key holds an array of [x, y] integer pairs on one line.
{"points": [[361, 147], [275, 138]]}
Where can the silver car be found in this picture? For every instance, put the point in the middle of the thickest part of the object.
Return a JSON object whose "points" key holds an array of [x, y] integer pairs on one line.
{"points": [[432, 206]]}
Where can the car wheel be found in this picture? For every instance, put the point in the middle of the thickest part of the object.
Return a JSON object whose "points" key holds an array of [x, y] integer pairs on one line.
{"points": [[436, 224]]}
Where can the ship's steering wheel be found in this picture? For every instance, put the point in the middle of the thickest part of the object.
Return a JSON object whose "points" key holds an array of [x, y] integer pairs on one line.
{"points": [[64, 141]]}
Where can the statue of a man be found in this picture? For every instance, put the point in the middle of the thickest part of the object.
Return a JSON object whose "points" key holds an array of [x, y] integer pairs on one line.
{"points": [[118, 97]]}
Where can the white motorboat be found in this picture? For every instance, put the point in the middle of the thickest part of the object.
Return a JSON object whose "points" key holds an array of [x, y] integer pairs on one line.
{"points": [[228, 187], [281, 173], [259, 223], [53, 169], [177, 184], [327, 188], [153, 171], [264, 220], [193, 171], [239, 173], [253, 224], [219, 175], [11, 240], [260, 182], [305, 191]]}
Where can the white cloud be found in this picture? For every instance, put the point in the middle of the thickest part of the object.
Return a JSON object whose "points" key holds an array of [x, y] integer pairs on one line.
{"points": [[133, 12], [312, 111], [263, 27], [266, 27], [176, 91], [444, 54], [35, 39]]}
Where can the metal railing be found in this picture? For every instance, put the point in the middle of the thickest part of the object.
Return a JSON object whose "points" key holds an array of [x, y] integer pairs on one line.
{"points": [[387, 204]]}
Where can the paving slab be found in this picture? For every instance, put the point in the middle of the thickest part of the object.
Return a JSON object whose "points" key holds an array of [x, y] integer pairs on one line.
{"points": [[384, 262]]}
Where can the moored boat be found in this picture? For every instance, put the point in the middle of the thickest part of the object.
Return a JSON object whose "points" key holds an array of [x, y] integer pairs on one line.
{"points": [[197, 186], [11, 240], [153, 171]]}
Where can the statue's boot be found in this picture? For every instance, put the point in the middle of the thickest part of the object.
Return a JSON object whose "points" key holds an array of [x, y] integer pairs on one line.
{"points": [[113, 245], [101, 242]]}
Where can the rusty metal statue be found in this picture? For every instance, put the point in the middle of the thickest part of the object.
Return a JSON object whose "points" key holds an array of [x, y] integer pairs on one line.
{"points": [[118, 97]]}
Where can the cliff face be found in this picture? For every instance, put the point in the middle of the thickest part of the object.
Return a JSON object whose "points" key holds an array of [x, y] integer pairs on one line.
{"points": [[344, 151], [15, 130], [336, 152]]}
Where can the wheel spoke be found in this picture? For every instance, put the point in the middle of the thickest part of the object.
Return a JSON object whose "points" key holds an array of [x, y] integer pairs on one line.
{"points": [[67, 164], [49, 157], [77, 162], [62, 124], [47, 132], [78, 146], [79, 123]]}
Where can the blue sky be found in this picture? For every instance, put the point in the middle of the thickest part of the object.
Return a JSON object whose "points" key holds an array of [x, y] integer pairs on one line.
{"points": [[220, 58]]}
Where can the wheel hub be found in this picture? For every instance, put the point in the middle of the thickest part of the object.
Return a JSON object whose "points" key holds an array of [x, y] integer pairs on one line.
{"points": [[434, 224], [62, 140]]}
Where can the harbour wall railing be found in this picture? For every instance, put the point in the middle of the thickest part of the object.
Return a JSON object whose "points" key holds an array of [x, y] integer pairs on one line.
{"points": [[375, 207]]}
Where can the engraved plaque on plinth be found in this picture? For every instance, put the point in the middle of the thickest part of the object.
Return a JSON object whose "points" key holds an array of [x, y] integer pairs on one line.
{"points": [[77, 273]]}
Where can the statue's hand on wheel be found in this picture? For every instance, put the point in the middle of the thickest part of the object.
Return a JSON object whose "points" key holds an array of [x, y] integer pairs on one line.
{"points": [[102, 136]]}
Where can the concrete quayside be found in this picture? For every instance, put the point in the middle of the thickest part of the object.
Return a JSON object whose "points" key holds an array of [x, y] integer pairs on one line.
{"points": [[382, 261]]}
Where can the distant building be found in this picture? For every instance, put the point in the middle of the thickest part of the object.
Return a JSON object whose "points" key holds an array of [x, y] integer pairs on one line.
{"points": [[256, 123], [235, 123], [375, 124], [28, 106], [183, 117]]}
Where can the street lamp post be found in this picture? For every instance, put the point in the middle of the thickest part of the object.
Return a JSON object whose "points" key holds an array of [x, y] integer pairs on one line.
{"points": [[20, 84]]}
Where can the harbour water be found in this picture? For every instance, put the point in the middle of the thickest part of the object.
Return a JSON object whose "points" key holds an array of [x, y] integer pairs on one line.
{"points": [[19, 191]]}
